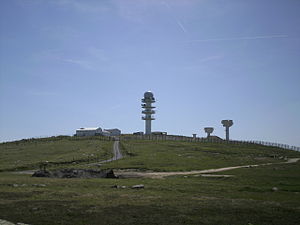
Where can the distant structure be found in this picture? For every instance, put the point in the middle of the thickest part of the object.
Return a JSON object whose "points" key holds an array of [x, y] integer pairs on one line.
{"points": [[148, 110], [227, 124], [194, 136], [208, 130], [92, 131], [97, 131], [114, 132], [159, 133]]}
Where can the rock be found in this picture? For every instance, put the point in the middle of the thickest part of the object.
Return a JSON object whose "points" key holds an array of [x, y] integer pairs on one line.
{"points": [[274, 189], [76, 173], [138, 186], [41, 173], [117, 186], [110, 174], [5, 222], [39, 185]]}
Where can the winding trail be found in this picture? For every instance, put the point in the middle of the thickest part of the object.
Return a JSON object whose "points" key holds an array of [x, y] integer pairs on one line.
{"points": [[117, 154], [205, 172]]}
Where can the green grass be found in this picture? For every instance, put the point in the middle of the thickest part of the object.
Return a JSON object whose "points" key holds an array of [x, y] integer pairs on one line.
{"points": [[59, 151], [186, 156], [244, 199]]}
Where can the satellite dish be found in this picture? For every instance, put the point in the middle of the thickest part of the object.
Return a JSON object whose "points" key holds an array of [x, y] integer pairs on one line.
{"points": [[227, 124], [208, 130]]}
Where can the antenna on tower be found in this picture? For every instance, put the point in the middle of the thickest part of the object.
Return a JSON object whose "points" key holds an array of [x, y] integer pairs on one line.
{"points": [[227, 124], [148, 110], [208, 130]]}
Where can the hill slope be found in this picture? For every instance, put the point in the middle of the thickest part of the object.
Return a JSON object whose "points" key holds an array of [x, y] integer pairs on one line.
{"points": [[263, 195], [62, 150], [186, 156]]}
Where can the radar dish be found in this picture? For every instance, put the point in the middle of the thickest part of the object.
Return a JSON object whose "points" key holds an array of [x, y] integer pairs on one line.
{"points": [[208, 129], [148, 94]]}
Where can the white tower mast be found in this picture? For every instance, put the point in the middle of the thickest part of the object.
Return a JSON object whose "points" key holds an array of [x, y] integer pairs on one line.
{"points": [[227, 124], [148, 110]]}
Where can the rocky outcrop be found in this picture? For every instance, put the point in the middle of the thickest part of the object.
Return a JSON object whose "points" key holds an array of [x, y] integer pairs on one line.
{"points": [[76, 173], [138, 186], [4, 222]]}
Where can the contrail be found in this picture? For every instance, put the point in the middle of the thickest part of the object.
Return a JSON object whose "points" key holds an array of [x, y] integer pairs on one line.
{"points": [[240, 38], [181, 26], [177, 21], [166, 4]]}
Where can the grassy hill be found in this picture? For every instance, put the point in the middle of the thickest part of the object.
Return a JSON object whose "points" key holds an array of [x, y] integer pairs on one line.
{"points": [[246, 198], [186, 156], [59, 151]]}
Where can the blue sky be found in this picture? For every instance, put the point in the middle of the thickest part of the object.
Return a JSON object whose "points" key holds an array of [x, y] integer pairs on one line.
{"points": [[66, 64]]}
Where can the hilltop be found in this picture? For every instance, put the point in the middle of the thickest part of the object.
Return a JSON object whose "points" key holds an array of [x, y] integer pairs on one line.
{"points": [[156, 155]]}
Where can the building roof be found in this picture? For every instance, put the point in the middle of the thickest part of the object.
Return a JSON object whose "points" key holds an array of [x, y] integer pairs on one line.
{"points": [[115, 129], [88, 129]]}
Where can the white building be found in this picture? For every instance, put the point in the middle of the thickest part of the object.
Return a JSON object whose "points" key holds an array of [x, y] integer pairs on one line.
{"points": [[106, 133], [114, 132], [93, 131]]}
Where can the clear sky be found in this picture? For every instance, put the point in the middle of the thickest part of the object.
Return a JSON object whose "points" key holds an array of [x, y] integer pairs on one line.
{"points": [[66, 64]]}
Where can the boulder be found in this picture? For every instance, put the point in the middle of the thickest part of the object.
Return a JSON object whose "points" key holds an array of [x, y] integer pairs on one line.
{"points": [[274, 188], [117, 186], [138, 186], [76, 173], [42, 173]]}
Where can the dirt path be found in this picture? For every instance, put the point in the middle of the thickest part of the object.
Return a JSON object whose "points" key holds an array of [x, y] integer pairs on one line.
{"points": [[207, 172], [117, 154]]}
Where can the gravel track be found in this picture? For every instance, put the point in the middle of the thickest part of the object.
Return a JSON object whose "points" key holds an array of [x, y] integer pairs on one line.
{"points": [[208, 171], [117, 154]]}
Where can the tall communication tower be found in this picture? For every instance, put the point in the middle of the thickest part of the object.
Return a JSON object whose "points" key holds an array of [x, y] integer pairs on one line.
{"points": [[148, 110], [227, 124]]}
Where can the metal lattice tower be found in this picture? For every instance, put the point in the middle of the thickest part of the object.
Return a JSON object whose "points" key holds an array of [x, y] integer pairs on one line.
{"points": [[148, 110]]}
